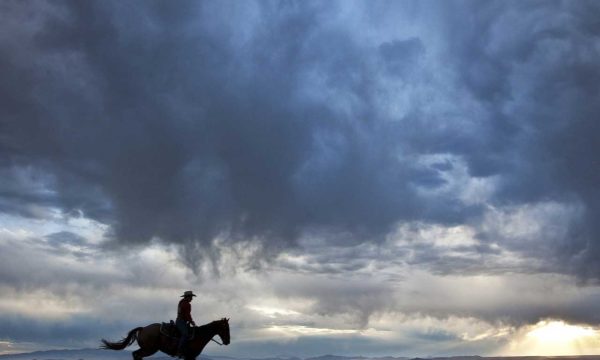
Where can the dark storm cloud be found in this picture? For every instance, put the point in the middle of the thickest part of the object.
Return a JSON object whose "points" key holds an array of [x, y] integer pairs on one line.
{"points": [[201, 120], [400, 55], [186, 136], [66, 238], [542, 97]]}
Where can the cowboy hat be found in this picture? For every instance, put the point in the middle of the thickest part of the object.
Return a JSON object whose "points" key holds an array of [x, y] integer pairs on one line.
{"points": [[188, 293]]}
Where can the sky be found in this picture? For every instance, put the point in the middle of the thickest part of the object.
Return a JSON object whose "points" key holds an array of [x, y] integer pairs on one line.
{"points": [[405, 178]]}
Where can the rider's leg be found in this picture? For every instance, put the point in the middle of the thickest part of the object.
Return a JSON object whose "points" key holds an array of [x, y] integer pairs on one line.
{"points": [[184, 332]]}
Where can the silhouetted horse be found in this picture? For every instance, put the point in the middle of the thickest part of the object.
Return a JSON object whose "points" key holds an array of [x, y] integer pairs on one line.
{"points": [[151, 339]]}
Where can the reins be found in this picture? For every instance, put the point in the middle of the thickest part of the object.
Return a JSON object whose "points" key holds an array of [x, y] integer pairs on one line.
{"points": [[212, 339], [216, 342]]}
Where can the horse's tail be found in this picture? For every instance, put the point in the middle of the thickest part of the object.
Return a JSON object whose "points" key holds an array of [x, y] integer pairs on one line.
{"points": [[120, 345]]}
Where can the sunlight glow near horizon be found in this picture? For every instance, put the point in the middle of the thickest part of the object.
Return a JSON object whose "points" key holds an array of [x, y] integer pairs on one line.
{"points": [[556, 338], [560, 331], [300, 330]]}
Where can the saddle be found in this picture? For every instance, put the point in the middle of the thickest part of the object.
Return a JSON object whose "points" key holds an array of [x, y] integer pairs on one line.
{"points": [[170, 330]]}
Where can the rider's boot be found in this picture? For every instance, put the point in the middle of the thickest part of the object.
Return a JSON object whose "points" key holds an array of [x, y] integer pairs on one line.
{"points": [[181, 348]]}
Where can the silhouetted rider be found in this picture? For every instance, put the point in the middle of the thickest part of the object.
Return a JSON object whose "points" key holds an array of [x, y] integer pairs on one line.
{"points": [[184, 320]]}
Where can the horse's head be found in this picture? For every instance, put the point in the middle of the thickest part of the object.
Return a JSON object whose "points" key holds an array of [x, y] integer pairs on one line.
{"points": [[223, 330]]}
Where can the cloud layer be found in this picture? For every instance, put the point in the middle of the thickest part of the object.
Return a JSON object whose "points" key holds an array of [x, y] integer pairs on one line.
{"points": [[268, 121], [359, 157]]}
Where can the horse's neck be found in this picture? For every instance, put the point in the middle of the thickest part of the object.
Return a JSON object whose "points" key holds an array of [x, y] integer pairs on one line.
{"points": [[203, 335], [209, 330]]}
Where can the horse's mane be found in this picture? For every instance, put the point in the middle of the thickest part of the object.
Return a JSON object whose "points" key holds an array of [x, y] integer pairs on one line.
{"points": [[212, 323]]}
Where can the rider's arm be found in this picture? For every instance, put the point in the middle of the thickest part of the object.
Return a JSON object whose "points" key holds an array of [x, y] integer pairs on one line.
{"points": [[186, 311]]}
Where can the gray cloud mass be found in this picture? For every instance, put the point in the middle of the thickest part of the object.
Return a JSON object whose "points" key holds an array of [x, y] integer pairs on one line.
{"points": [[375, 156], [196, 121]]}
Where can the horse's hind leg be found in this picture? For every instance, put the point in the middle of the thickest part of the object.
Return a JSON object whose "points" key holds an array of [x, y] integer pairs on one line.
{"points": [[142, 353]]}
